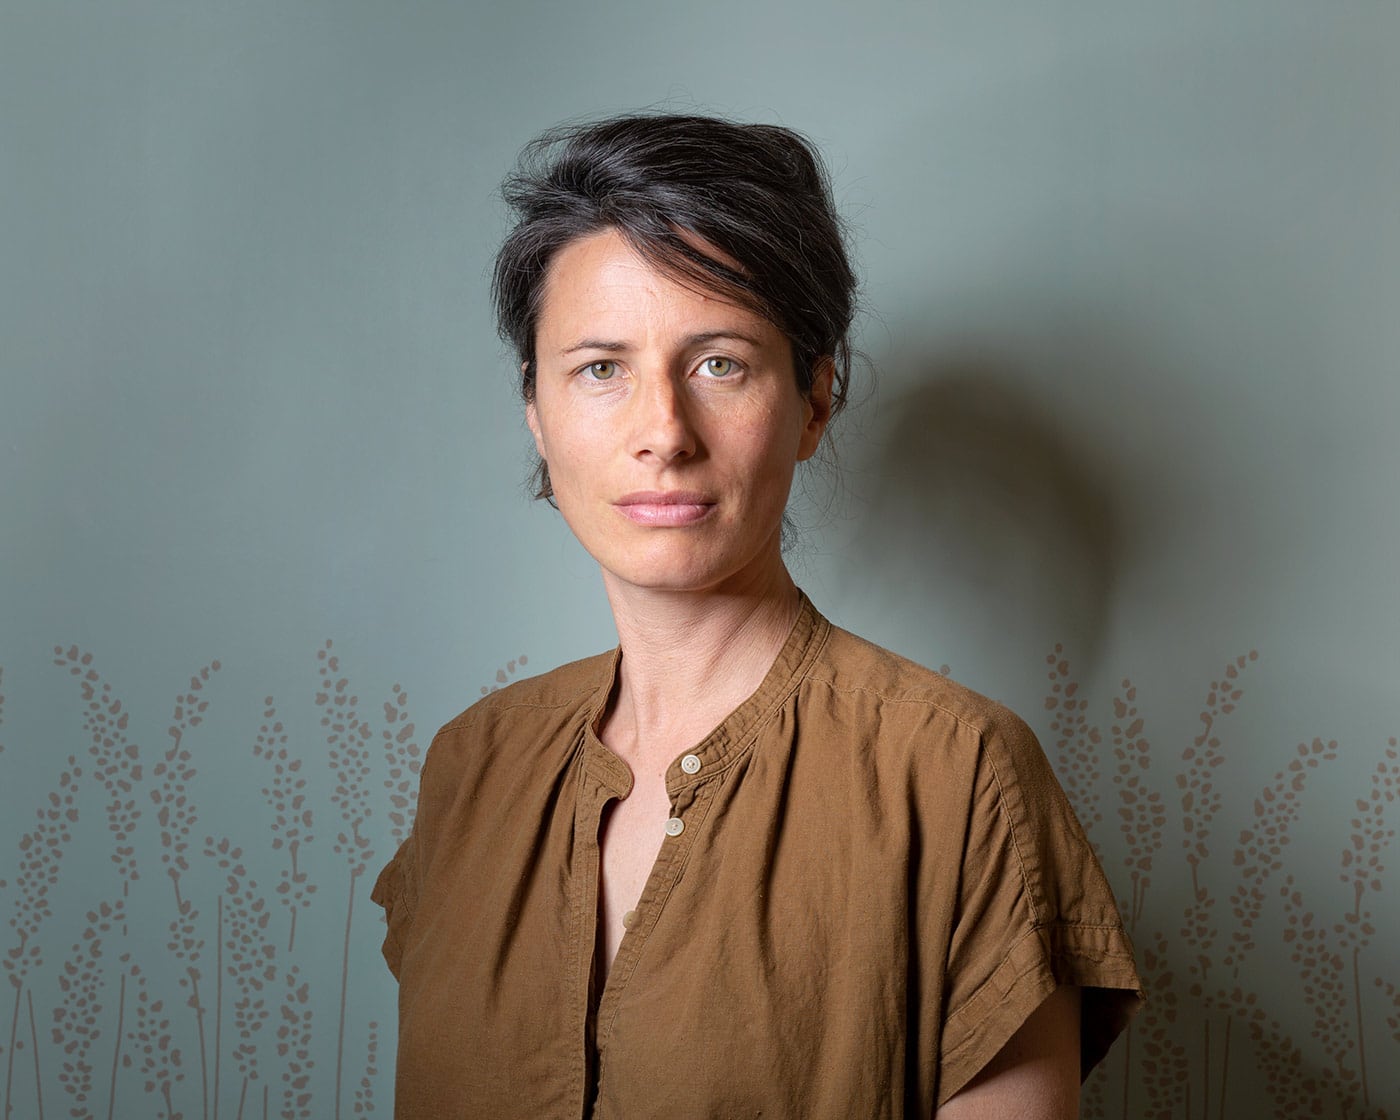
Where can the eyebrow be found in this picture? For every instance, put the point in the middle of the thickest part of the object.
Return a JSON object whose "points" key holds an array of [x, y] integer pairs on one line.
{"points": [[613, 346]]}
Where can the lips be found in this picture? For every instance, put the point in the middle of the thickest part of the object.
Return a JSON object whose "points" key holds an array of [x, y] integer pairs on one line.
{"points": [[665, 508]]}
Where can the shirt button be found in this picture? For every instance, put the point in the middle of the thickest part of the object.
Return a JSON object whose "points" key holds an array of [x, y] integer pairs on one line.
{"points": [[629, 919], [691, 764], [675, 826]]}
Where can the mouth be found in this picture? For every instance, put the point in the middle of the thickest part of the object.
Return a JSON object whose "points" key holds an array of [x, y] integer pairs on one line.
{"points": [[665, 508]]}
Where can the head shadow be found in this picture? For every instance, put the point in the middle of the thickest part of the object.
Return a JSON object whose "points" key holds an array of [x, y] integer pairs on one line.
{"points": [[983, 502]]}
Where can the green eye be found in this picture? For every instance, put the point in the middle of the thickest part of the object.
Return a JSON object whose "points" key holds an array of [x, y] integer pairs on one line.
{"points": [[600, 371], [718, 367]]}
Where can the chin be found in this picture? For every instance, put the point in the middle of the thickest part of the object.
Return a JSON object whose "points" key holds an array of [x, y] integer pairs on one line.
{"points": [[681, 573], [665, 579]]}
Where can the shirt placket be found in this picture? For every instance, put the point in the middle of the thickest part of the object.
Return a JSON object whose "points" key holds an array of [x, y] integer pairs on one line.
{"points": [[692, 791], [602, 781]]}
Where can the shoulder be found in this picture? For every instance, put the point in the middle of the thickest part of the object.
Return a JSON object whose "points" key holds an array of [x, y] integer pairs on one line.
{"points": [[864, 675], [563, 689], [522, 721]]}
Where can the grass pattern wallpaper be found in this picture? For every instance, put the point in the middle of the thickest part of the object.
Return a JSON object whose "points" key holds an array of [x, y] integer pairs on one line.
{"points": [[222, 1019], [1124, 458], [1200, 973]]}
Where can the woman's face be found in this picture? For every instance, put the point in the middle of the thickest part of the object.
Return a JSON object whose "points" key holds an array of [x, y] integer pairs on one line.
{"points": [[670, 420]]}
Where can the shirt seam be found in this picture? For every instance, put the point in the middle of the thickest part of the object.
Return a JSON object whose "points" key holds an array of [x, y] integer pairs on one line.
{"points": [[1039, 925], [1007, 961], [476, 710], [578, 1070], [1037, 922], [925, 701]]}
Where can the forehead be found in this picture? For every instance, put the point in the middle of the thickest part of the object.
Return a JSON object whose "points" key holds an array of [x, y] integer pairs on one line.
{"points": [[600, 281]]}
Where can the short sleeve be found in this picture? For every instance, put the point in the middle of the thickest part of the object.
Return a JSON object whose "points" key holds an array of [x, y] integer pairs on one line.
{"points": [[396, 891], [1035, 911]]}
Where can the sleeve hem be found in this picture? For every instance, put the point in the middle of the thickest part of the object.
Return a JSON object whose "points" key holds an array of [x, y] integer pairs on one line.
{"points": [[1097, 958], [389, 893]]}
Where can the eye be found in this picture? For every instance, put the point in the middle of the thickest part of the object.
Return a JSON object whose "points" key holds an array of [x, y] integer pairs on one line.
{"points": [[599, 371], [718, 367]]}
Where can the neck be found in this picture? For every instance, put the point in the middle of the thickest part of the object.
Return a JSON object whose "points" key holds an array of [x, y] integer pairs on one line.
{"points": [[690, 658]]}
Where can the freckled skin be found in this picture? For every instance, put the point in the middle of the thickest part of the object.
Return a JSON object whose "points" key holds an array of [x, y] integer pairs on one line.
{"points": [[647, 413]]}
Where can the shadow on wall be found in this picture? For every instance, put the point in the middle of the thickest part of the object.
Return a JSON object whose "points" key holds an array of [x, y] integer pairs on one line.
{"points": [[985, 504], [1268, 994]]}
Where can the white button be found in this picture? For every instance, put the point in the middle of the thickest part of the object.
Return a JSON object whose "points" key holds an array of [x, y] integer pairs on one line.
{"points": [[628, 919], [691, 764], [675, 826]]}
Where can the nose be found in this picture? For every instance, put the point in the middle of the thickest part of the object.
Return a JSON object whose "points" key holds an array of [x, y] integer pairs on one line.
{"points": [[662, 424]]}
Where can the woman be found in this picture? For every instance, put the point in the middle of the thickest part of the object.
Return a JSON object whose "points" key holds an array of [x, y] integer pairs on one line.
{"points": [[747, 864]]}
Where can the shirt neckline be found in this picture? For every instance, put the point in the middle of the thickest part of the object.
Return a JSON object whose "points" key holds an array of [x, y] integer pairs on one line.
{"points": [[734, 734]]}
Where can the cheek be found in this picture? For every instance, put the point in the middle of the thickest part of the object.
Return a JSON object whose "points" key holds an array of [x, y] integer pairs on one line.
{"points": [[569, 455], [772, 435], [556, 431]]}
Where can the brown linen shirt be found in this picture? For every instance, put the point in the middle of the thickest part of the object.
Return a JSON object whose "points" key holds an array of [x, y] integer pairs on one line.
{"points": [[869, 879]]}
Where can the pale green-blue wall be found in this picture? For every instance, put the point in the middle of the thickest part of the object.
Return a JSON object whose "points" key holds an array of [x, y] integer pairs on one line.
{"points": [[1132, 272]]}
